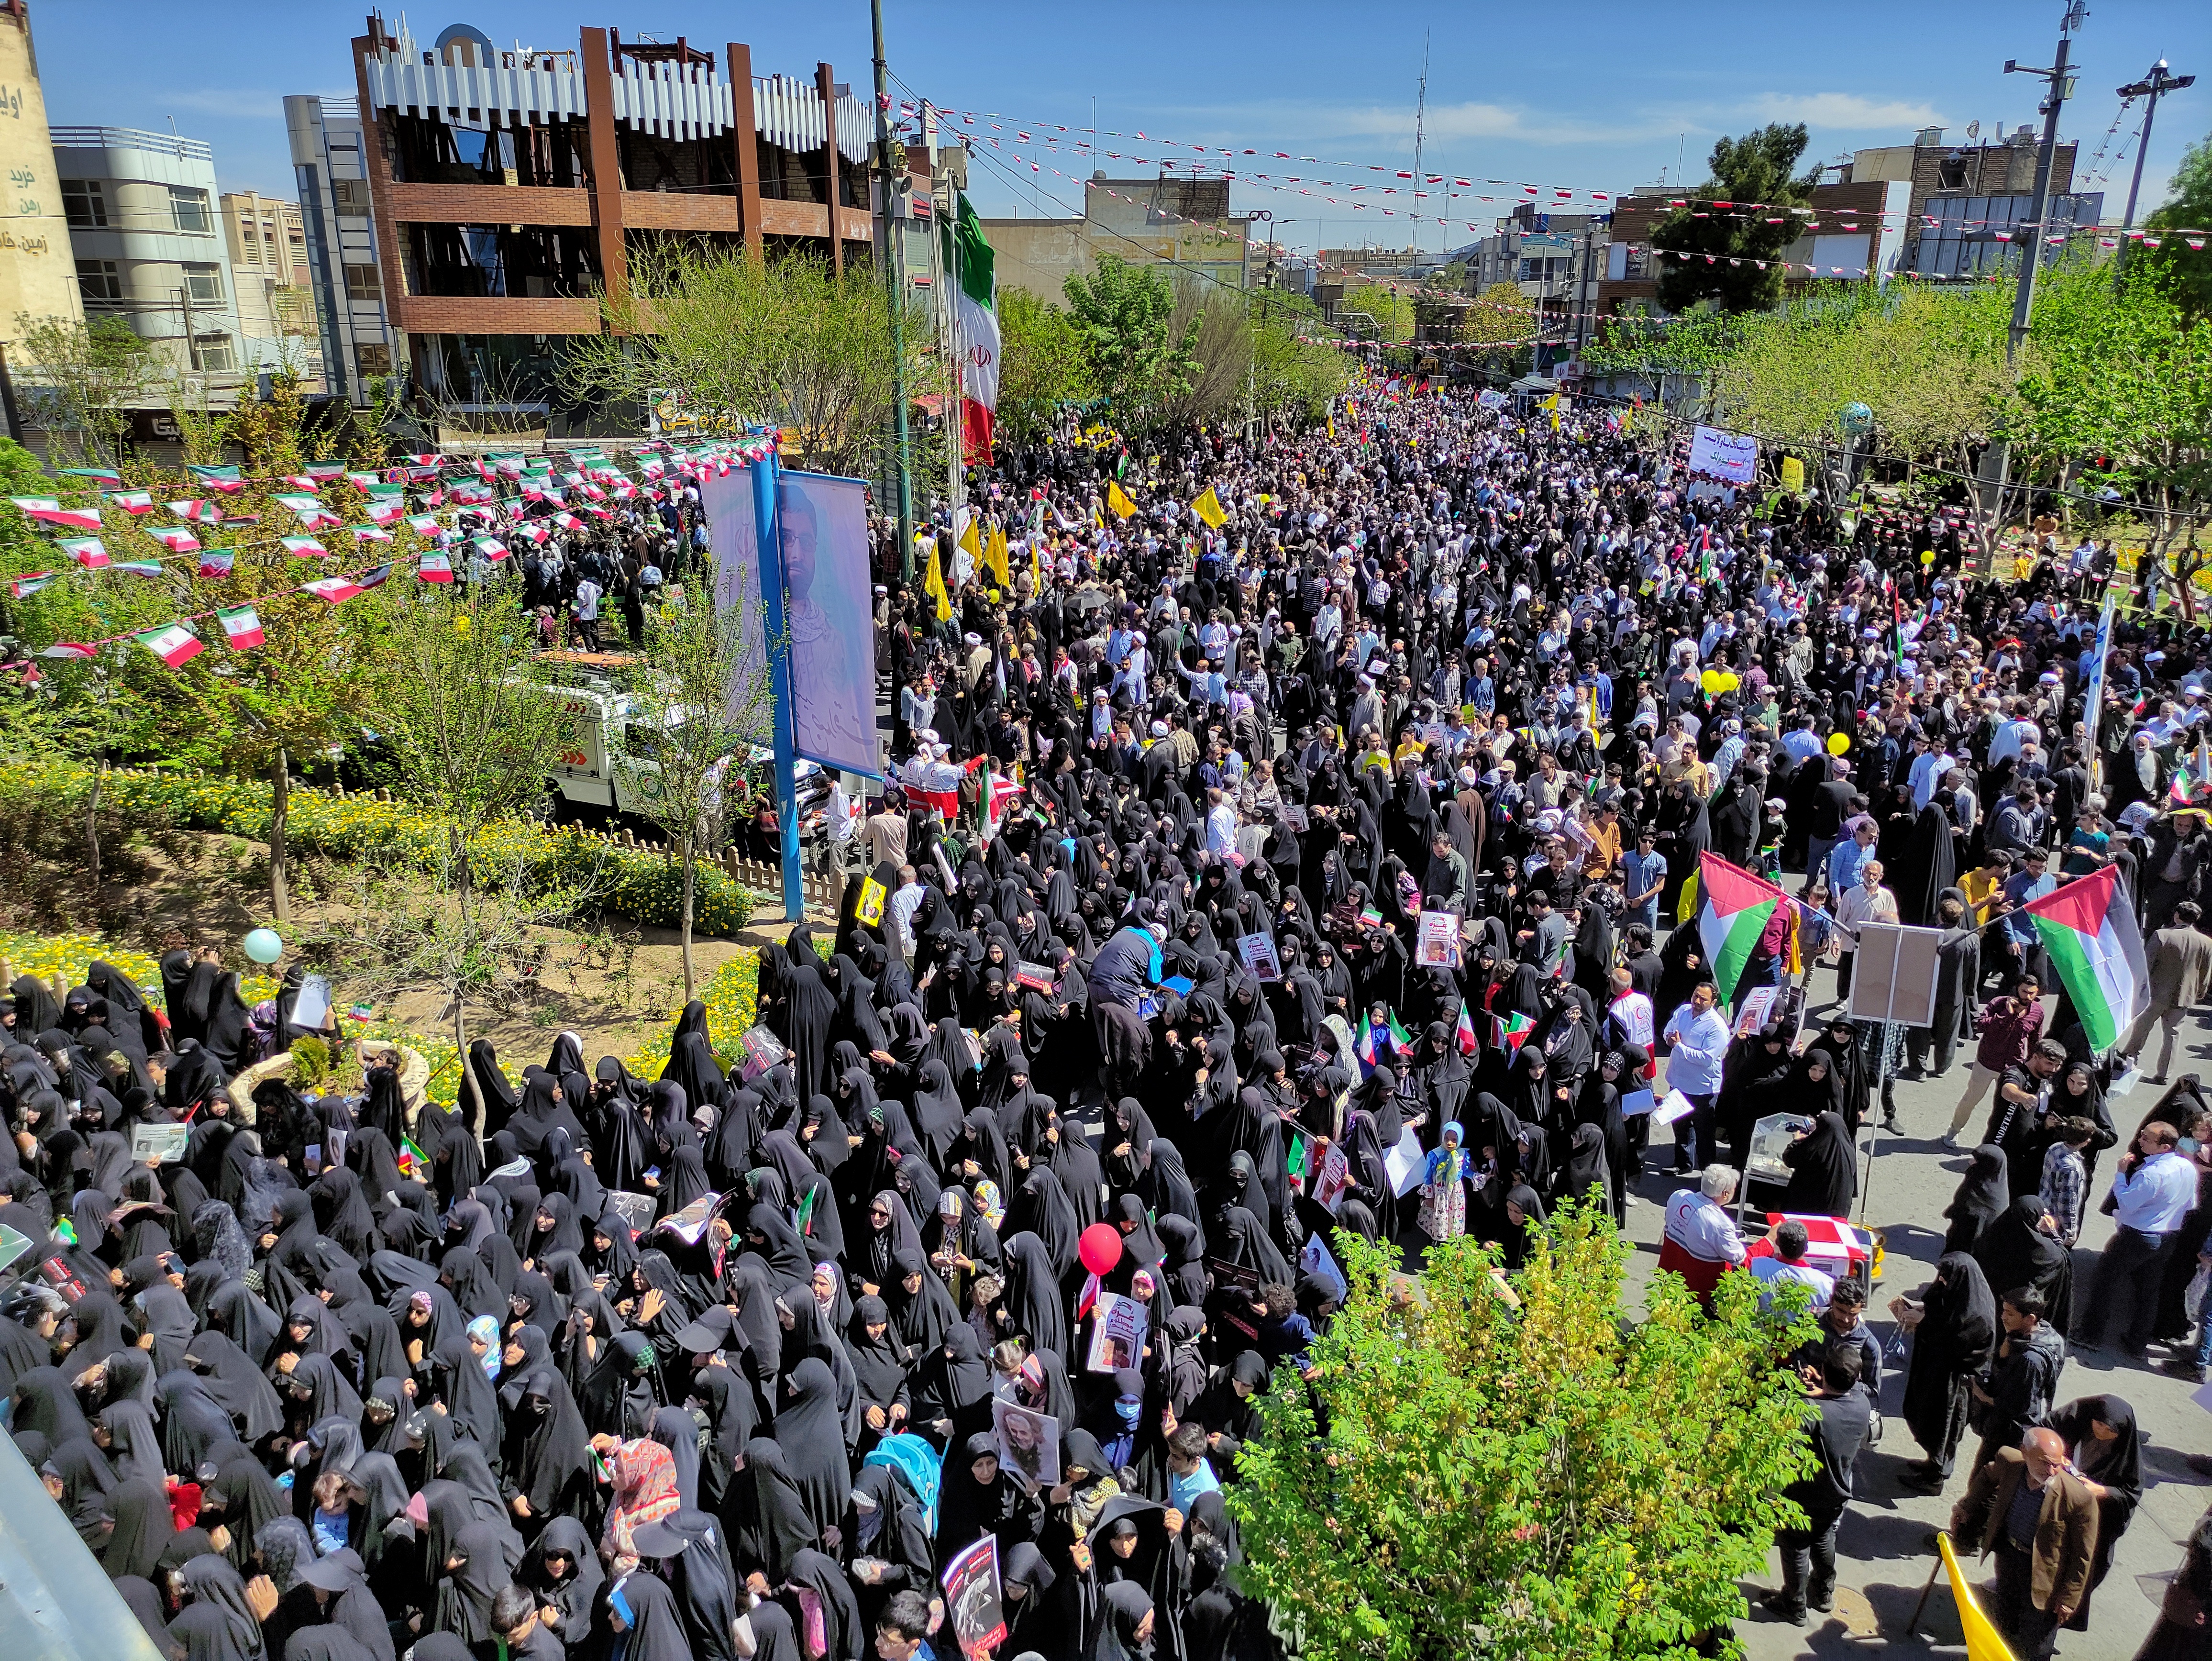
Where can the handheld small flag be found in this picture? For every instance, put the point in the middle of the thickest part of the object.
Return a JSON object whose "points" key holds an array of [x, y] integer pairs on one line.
{"points": [[175, 645], [1464, 1034], [242, 628]]}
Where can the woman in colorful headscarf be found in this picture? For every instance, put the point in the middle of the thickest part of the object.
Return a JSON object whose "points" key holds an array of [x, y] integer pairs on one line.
{"points": [[1444, 1188]]}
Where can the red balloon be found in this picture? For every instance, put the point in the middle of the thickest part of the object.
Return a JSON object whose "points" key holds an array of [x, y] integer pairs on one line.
{"points": [[1100, 1248]]}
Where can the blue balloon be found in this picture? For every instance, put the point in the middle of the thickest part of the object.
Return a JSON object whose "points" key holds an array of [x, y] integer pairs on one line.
{"points": [[263, 945]]}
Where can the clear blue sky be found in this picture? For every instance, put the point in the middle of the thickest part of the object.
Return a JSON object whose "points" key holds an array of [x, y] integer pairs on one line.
{"points": [[1600, 96]]}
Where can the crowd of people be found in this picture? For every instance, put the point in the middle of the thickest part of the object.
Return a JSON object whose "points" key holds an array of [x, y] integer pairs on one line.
{"points": [[745, 1362]]}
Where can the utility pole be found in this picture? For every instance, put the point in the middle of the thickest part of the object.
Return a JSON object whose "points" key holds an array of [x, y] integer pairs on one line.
{"points": [[1996, 460], [893, 250], [2151, 86], [2031, 247], [1421, 119]]}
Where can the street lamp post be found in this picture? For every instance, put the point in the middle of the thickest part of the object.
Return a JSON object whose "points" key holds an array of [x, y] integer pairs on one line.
{"points": [[2158, 82], [894, 239]]}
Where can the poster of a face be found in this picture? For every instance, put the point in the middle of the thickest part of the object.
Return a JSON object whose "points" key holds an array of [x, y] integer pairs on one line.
{"points": [[823, 527], [734, 533], [1028, 1442]]}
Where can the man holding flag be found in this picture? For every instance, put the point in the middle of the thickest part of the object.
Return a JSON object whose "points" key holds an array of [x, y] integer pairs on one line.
{"points": [[2029, 1506]]}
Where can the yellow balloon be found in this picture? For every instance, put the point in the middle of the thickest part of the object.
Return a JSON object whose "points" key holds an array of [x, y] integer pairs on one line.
{"points": [[1838, 742], [1710, 680], [1927, 556], [1730, 681]]}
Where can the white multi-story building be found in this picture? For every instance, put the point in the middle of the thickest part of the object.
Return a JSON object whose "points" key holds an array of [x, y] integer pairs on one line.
{"points": [[267, 248], [143, 229], [341, 244]]}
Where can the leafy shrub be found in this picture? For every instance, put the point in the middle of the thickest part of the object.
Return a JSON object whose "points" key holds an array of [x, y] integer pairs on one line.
{"points": [[636, 883]]}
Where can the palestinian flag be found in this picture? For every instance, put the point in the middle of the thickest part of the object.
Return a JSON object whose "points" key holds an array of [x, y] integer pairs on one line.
{"points": [[2089, 929], [241, 627], [1735, 911], [1464, 1032], [175, 645], [19, 586]]}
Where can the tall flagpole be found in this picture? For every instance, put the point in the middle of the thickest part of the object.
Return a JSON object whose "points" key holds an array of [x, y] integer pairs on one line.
{"points": [[2093, 688]]}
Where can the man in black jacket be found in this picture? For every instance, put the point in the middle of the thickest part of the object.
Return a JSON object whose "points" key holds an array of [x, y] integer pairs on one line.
{"points": [[1837, 1432]]}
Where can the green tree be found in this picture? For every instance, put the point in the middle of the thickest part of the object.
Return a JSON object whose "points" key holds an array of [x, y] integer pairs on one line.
{"points": [[472, 732], [1041, 364], [1125, 316], [699, 695], [2188, 206], [1389, 304], [1751, 170], [1454, 1477], [780, 342], [81, 380]]}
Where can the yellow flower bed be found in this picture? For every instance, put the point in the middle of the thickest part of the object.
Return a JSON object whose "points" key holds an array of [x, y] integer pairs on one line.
{"points": [[731, 996]]}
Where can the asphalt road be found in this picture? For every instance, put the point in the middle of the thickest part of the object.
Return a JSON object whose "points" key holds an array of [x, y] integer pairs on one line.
{"points": [[1882, 1558]]}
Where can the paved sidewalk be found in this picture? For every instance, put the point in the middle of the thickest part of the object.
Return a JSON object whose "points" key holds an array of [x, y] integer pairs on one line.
{"points": [[1882, 1560]]}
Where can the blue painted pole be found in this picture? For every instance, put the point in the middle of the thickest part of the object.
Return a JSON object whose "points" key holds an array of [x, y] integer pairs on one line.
{"points": [[779, 680]]}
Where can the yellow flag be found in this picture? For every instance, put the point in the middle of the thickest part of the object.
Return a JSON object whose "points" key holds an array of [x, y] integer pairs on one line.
{"points": [[1332, 423], [1984, 1641], [932, 581], [994, 557], [1036, 569], [970, 541], [1118, 500], [1208, 507], [1793, 475], [1687, 907]]}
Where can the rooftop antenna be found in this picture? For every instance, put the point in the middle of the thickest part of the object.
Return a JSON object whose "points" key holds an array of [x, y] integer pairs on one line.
{"points": [[1420, 117]]}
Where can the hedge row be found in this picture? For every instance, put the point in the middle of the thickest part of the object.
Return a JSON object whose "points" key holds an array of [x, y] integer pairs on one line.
{"points": [[636, 883]]}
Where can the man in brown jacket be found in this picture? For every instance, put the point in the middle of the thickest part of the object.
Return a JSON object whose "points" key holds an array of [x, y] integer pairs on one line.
{"points": [[2180, 957], [2029, 1506]]}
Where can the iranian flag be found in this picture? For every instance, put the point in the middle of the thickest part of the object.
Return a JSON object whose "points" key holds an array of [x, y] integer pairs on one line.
{"points": [[216, 561], [132, 502], [304, 548], [335, 590], [87, 551], [1378, 1043], [1733, 911], [975, 328], [85, 519], [176, 541], [2089, 929], [241, 627], [199, 511], [175, 645], [435, 568], [1464, 1032]]}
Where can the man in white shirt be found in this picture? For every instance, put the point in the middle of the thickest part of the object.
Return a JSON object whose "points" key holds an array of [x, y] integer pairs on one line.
{"points": [[1221, 826], [2154, 1189], [1787, 1266], [1697, 1218], [1699, 1035], [904, 902], [1868, 903]]}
